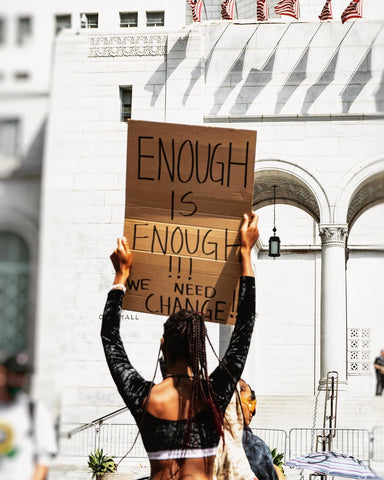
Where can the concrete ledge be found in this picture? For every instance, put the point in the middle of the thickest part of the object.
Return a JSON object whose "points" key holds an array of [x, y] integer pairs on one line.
{"points": [[326, 117]]}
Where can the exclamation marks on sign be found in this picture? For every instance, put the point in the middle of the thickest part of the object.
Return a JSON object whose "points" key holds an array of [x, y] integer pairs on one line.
{"points": [[233, 313], [175, 266], [190, 268]]}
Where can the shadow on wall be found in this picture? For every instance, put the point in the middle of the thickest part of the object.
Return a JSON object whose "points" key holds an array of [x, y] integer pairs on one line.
{"points": [[295, 78], [175, 56], [254, 84], [326, 78], [257, 79], [379, 95], [202, 66], [31, 164], [233, 78], [195, 75], [357, 81]]}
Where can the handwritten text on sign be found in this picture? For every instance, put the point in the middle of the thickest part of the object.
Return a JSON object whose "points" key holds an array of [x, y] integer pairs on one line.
{"points": [[186, 190]]}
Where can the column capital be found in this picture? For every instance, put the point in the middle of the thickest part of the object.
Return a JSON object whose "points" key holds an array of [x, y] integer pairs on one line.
{"points": [[333, 234]]}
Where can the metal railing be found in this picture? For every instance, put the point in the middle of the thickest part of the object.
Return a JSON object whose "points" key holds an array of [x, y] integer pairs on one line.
{"points": [[118, 439], [350, 441], [274, 438]]}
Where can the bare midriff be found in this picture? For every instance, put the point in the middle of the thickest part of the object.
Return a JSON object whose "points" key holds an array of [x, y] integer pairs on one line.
{"points": [[183, 469]]}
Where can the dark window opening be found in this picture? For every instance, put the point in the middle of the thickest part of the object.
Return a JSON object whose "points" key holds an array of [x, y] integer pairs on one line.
{"points": [[126, 103]]}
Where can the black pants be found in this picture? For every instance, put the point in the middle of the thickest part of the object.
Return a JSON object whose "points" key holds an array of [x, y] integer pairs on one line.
{"points": [[379, 384]]}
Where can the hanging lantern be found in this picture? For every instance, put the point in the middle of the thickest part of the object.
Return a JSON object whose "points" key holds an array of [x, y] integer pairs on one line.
{"points": [[274, 241]]}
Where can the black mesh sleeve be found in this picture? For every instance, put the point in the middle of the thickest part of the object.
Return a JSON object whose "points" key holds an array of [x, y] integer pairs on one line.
{"points": [[131, 385], [225, 377]]}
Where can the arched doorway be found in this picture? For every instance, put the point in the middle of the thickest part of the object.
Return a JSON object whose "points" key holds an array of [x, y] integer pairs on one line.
{"points": [[14, 293]]}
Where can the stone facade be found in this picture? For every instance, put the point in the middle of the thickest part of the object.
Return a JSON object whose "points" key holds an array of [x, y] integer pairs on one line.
{"points": [[314, 94]]}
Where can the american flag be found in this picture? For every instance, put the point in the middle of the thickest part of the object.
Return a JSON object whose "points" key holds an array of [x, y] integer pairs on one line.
{"points": [[262, 10], [196, 6], [227, 8], [288, 7], [354, 10], [326, 13]]}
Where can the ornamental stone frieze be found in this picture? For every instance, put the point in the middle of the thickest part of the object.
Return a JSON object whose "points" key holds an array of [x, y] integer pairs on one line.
{"points": [[333, 234], [135, 45]]}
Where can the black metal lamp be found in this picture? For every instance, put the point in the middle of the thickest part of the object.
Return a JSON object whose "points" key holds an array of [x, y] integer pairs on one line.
{"points": [[274, 241]]}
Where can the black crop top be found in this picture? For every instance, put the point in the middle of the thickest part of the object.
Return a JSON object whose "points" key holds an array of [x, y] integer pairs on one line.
{"points": [[164, 439]]}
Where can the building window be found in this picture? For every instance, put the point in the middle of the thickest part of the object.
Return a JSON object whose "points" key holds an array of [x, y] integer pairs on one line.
{"points": [[126, 103], [24, 30], [14, 285], [128, 19], [155, 19], [21, 76], [359, 351], [9, 134], [2, 31], [89, 20], [61, 22]]}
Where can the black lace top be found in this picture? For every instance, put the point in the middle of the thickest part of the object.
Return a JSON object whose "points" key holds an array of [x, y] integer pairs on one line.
{"points": [[163, 439]]}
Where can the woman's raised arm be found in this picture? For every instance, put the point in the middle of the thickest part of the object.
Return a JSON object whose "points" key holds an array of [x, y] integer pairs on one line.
{"points": [[249, 233]]}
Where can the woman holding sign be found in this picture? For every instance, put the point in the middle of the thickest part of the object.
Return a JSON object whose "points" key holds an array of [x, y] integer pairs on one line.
{"points": [[181, 418]]}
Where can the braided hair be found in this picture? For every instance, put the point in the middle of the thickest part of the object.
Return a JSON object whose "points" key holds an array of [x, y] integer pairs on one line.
{"points": [[184, 338]]}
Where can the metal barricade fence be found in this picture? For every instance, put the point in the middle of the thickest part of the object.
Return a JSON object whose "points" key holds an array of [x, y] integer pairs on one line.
{"points": [[121, 439], [378, 444], [350, 441], [274, 438], [80, 443], [115, 439]]}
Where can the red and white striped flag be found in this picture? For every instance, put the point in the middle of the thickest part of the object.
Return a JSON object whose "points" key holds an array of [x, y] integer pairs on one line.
{"points": [[288, 7], [354, 10], [196, 6], [262, 10], [326, 13], [227, 8]]}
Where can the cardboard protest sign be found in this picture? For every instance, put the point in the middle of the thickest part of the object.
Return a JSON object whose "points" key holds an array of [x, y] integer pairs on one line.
{"points": [[186, 190]]}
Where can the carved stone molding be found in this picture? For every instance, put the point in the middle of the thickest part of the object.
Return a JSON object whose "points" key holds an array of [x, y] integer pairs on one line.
{"points": [[135, 45], [333, 234]]}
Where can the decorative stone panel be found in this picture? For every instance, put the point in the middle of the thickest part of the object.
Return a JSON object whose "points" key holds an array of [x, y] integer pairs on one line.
{"points": [[136, 45], [359, 351]]}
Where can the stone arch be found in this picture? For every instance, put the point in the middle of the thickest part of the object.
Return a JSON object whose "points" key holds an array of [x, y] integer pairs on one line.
{"points": [[15, 222], [295, 186], [361, 188]]}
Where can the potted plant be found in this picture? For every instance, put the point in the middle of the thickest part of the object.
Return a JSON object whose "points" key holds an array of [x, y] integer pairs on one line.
{"points": [[278, 462], [101, 464]]}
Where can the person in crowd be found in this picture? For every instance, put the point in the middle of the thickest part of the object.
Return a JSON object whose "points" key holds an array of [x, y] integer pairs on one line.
{"points": [[181, 418], [27, 434], [231, 462], [258, 453], [379, 367]]}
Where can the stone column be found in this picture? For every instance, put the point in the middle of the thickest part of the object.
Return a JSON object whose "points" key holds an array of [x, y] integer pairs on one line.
{"points": [[333, 303]]}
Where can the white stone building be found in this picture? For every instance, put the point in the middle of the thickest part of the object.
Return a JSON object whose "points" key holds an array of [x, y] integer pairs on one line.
{"points": [[314, 93]]}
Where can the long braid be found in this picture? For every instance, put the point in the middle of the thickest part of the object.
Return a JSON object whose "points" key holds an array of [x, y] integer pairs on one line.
{"points": [[202, 389], [186, 332]]}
